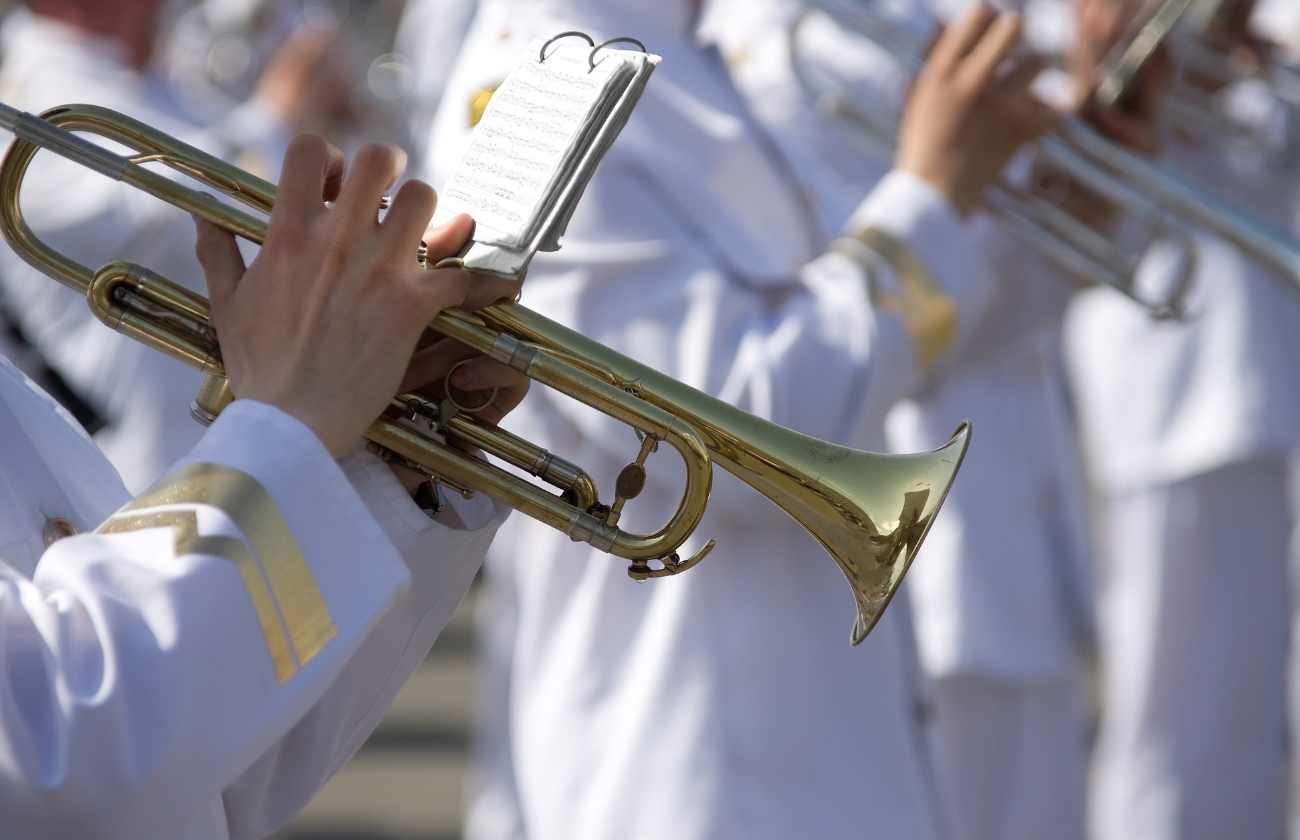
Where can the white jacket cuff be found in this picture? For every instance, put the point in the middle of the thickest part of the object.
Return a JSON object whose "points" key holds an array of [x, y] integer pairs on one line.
{"points": [[914, 211], [354, 565]]}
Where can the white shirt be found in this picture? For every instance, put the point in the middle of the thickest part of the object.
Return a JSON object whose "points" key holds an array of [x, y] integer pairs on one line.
{"points": [[203, 663], [429, 35]]}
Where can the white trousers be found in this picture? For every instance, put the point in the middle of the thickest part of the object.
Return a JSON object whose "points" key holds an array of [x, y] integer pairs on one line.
{"points": [[1193, 632], [1015, 755]]}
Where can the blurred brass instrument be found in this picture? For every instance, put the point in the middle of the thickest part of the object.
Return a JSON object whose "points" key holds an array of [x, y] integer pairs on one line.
{"points": [[1212, 57], [870, 511], [1171, 207]]}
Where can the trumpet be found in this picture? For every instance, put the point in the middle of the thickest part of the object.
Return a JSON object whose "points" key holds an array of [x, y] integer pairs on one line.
{"points": [[870, 511], [1171, 207]]}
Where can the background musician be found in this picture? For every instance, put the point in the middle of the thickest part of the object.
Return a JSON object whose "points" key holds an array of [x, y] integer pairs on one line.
{"points": [[725, 702], [1188, 425], [1002, 594]]}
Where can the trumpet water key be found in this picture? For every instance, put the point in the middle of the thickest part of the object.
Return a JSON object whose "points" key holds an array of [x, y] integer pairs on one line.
{"points": [[870, 511]]}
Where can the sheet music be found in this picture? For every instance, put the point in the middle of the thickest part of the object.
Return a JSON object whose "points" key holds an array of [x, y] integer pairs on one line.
{"points": [[526, 138]]}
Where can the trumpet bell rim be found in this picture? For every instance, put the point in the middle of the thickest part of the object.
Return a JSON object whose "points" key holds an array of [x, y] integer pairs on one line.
{"points": [[876, 577], [875, 567]]}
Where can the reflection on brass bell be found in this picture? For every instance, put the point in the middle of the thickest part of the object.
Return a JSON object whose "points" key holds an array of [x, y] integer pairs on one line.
{"points": [[56, 529]]}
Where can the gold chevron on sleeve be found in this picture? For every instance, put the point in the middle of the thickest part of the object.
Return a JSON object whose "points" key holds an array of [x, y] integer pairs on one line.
{"points": [[926, 310], [185, 530], [275, 573]]}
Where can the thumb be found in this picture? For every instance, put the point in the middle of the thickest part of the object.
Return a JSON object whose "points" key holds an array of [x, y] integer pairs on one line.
{"points": [[223, 265]]}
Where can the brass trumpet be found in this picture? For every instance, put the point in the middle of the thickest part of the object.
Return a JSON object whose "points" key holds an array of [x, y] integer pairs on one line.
{"points": [[870, 511]]}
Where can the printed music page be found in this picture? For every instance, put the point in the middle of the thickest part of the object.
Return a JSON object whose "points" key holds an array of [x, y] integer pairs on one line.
{"points": [[531, 131]]}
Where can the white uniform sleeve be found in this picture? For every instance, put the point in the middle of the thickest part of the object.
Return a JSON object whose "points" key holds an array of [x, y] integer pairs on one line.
{"points": [[442, 555], [149, 664], [930, 284]]}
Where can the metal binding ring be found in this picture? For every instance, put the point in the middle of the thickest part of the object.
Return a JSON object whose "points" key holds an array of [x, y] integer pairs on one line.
{"points": [[541, 55], [595, 48], [446, 384]]}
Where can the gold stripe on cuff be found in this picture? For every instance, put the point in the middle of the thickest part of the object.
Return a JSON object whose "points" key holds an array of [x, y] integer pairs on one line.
{"points": [[927, 311], [255, 513], [185, 531]]}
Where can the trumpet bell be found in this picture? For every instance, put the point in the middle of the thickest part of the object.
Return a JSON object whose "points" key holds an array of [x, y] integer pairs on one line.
{"points": [[870, 512]]}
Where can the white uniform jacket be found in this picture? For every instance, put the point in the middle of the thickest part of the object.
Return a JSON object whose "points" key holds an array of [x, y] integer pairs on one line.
{"points": [[1160, 402], [724, 702], [199, 660], [144, 395], [430, 35]]}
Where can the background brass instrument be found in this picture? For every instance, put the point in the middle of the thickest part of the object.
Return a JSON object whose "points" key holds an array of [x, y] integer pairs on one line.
{"points": [[1212, 58], [870, 511], [1170, 207]]}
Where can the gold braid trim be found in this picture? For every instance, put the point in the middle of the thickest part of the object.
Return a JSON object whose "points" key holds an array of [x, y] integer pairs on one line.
{"points": [[288, 604]]}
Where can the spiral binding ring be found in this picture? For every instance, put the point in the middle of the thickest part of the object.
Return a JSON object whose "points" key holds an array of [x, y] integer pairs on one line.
{"points": [[541, 56], [446, 384], [591, 56]]}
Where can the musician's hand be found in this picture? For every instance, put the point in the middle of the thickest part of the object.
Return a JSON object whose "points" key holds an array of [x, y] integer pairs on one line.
{"points": [[471, 382], [324, 322], [1137, 122], [483, 289], [971, 107], [479, 381]]}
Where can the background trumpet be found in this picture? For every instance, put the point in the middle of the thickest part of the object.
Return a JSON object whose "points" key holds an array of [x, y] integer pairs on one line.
{"points": [[1170, 207], [870, 511]]}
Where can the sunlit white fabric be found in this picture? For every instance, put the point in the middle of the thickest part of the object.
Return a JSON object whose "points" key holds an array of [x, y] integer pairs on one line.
{"points": [[1187, 426], [138, 698]]}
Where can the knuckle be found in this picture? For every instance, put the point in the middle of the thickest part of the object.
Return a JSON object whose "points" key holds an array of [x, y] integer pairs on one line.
{"points": [[419, 192], [309, 146], [379, 156]]}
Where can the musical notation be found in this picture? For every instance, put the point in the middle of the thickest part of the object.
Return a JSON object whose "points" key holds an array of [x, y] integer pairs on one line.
{"points": [[520, 148]]}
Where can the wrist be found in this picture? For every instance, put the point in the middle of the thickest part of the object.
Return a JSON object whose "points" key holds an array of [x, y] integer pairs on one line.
{"points": [[964, 197]]}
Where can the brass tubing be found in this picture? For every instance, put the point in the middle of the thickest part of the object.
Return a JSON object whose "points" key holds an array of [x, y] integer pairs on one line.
{"points": [[167, 294], [34, 252], [528, 456], [228, 179], [163, 148], [182, 346], [535, 502], [598, 393]]}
